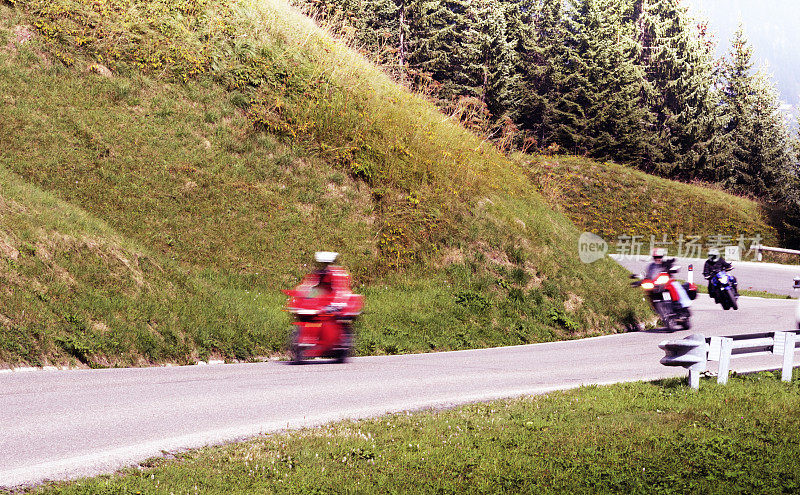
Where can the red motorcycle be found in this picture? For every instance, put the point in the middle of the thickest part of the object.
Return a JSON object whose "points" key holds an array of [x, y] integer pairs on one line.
{"points": [[664, 298], [321, 331]]}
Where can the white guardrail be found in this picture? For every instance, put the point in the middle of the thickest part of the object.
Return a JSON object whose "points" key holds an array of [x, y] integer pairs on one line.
{"points": [[759, 249], [695, 351]]}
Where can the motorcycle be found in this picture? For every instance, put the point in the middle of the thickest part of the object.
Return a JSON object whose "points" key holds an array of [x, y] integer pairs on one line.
{"points": [[321, 331], [722, 288], [665, 300]]}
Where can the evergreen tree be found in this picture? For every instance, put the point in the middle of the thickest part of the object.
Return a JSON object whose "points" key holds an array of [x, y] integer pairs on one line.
{"points": [[771, 153], [572, 96], [440, 44], [382, 30], [540, 35], [679, 69], [379, 26], [619, 119], [597, 106], [494, 48], [753, 154]]}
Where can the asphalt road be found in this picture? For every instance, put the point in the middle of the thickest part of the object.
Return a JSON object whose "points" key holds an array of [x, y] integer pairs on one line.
{"points": [[66, 424], [765, 277]]}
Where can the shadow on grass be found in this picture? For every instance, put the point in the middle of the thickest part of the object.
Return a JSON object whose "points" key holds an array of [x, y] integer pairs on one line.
{"points": [[673, 383]]}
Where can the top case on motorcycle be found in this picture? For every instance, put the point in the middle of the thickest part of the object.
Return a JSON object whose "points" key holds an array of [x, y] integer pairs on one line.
{"points": [[691, 290]]}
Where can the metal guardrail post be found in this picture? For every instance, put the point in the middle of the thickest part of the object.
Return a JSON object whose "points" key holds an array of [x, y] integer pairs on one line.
{"points": [[725, 352]]}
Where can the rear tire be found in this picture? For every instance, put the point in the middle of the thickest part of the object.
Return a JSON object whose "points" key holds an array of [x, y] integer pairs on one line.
{"points": [[669, 321], [733, 303], [343, 355], [664, 311], [296, 354]]}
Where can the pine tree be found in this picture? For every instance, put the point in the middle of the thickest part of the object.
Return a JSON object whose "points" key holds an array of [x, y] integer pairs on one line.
{"points": [[678, 64], [597, 95], [378, 26], [772, 160], [754, 152], [439, 45], [619, 120], [494, 49], [540, 34], [382, 30], [572, 96]]}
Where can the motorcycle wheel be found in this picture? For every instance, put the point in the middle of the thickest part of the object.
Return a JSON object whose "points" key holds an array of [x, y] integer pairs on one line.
{"points": [[343, 355], [296, 354], [669, 320], [733, 303], [666, 316]]}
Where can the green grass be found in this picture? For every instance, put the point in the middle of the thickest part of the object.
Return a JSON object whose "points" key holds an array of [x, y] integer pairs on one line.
{"points": [[612, 200], [233, 141], [632, 438], [76, 292]]}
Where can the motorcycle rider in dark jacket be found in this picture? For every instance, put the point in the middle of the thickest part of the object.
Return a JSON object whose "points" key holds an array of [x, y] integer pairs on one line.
{"points": [[715, 264]]}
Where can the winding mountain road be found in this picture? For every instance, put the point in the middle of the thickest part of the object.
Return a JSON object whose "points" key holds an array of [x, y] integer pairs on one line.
{"points": [[764, 277], [67, 424]]}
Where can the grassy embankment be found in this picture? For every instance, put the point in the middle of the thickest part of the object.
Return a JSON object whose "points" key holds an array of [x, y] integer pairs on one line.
{"points": [[226, 143], [612, 200], [632, 438]]}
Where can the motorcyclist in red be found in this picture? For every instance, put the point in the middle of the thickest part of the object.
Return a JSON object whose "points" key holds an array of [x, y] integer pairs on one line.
{"points": [[330, 283], [660, 265]]}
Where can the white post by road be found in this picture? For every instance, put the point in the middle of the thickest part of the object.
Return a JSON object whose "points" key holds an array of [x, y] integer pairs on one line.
{"points": [[725, 351], [788, 356]]}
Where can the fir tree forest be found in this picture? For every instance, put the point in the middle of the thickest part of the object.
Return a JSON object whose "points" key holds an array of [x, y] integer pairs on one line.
{"points": [[632, 81]]}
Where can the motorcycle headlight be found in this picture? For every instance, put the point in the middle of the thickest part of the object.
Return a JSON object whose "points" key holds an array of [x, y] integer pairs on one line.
{"points": [[723, 279]]}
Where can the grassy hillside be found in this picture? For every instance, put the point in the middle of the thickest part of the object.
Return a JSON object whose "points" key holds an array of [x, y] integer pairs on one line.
{"points": [[230, 142], [612, 200], [73, 290]]}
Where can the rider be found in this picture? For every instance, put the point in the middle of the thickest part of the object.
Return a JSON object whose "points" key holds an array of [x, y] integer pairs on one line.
{"points": [[660, 265], [332, 282], [715, 264]]}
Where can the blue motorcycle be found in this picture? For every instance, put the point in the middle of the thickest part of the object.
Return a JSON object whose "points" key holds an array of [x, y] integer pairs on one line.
{"points": [[723, 288]]}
